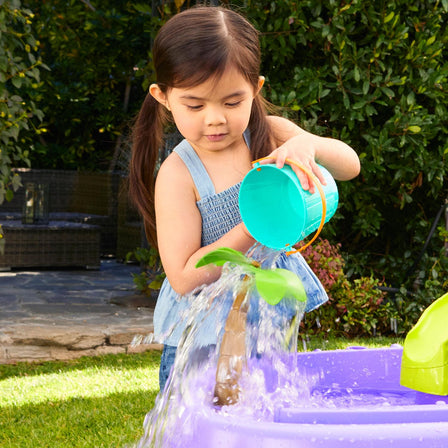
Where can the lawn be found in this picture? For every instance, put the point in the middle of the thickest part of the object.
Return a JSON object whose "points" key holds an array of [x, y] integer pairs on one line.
{"points": [[89, 402], [92, 402]]}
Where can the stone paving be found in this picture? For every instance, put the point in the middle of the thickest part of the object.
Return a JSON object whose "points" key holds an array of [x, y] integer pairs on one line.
{"points": [[65, 314]]}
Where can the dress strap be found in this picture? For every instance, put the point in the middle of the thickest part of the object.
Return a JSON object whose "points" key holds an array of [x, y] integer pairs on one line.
{"points": [[197, 170]]}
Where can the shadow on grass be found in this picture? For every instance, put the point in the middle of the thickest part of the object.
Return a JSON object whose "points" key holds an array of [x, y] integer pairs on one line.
{"points": [[112, 421], [122, 362]]}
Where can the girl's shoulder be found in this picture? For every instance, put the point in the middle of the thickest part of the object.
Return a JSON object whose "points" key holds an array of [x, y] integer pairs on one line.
{"points": [[174, 181], [173, 167]]}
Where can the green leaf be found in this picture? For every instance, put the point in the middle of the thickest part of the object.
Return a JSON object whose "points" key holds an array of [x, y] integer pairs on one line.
{"points": [[223, 255], [389, 17], [270, 286], [274, 285], [9, 195], [17, 82], [291, 96], [414, 129], [365, 87]]}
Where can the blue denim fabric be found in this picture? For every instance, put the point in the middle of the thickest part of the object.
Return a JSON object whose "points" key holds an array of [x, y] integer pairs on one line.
{"points": [[196, 357], [166, 364]]}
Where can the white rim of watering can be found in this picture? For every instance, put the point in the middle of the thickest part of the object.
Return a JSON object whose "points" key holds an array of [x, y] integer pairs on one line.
{"points": [[322, 196]]}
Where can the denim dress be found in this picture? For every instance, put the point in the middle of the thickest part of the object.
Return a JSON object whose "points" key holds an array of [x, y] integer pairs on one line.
{"points": [[220, 213]]}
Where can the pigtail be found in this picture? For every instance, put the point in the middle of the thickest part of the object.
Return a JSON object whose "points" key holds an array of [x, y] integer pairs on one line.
{"points": [[146, 140], [261, 135]]}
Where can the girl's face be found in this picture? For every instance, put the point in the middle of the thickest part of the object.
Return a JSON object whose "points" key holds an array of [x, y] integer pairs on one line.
{"points": [[211, 116]]}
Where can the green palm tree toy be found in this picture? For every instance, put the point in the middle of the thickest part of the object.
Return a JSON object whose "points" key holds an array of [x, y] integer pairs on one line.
{"points": [[272, 285]]}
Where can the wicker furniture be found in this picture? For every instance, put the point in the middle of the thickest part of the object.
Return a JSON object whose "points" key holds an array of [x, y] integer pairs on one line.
{"points": [[89, 198], [56, 244], [83, 215]]}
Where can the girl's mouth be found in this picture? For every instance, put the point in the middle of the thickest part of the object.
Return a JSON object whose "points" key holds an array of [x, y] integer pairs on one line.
{"points": [[215, 137]]}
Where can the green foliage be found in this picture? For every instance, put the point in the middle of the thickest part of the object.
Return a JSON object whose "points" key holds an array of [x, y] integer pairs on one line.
{"points": [[431, 283], [98, 53], [19, 82], [373, 74], [152, 275], [355, 308], [362, 308]]}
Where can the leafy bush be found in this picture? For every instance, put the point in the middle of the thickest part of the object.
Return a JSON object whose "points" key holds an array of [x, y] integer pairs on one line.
{"points": [[98, 52], [355, 308], [19, 84], [326, 262], [373, 74], [152, 275]]}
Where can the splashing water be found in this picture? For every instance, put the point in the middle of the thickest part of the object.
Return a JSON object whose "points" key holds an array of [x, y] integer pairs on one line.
{"points": [[271, 332]]}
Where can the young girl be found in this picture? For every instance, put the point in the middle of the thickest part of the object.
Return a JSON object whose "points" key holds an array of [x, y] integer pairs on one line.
{"points": [[207, 63]]}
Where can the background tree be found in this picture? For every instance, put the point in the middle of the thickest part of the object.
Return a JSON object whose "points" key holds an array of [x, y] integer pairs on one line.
{"points": [[19, 91], [98, 52]]}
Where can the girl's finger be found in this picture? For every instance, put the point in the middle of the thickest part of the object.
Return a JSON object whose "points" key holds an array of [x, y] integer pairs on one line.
{"points": [[265, 160], [305, 181], [317, 172], [305, 178], [280, 157]]}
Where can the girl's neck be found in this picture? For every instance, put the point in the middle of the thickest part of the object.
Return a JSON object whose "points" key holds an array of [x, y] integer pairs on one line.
{"points": [[227, 167]]}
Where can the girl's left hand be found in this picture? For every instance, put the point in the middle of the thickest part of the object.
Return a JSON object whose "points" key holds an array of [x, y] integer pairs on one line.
{"points": [[301, 149]]}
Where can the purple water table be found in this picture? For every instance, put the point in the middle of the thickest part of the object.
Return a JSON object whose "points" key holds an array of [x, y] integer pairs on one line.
{"points": [[421, 422]]}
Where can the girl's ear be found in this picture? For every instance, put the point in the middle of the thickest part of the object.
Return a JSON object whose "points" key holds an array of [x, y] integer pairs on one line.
{"points": [[260, 84], [157, 94]]}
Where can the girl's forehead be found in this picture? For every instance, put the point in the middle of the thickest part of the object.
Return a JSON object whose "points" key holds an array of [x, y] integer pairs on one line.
{"points": [[230, 82]]}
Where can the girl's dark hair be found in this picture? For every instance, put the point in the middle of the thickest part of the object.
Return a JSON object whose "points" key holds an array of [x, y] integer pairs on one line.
{"points": [[192, 47]]}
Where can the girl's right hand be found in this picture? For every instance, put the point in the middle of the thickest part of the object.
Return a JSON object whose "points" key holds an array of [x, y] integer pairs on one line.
{"points": [[301, 150]]}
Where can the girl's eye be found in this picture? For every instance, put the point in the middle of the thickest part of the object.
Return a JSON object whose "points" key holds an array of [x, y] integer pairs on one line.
{"points": [[234, 104], [194, 107]]}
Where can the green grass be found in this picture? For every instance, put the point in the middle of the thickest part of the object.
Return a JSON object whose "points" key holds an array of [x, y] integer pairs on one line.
{"points": [[331, 343], [94, 402], [90, 402]]}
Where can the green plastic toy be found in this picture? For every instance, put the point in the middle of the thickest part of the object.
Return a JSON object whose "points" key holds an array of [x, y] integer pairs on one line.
{"points": [[424, 364], [271, 284]]}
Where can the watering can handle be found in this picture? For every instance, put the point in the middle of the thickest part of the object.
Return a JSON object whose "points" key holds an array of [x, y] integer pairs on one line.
{"points": [[322, 196]]}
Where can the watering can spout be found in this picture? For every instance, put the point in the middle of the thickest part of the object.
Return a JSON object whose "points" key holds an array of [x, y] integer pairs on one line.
{"points": [[424, 365]]}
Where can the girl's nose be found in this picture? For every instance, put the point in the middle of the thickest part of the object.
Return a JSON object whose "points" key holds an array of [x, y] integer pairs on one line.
{"points": [[215, 116]]}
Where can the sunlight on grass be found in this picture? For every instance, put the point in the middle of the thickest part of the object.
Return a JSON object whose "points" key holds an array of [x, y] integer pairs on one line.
{"points": [[89, 402], [89, 382], [323, 342]]}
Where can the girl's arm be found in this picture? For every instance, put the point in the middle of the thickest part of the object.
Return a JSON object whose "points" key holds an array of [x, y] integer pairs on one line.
{"points": [[178, 220], [308, 149], [179, 229]]}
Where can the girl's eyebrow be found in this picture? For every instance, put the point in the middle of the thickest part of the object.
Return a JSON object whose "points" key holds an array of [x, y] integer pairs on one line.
{"points": [[227, 97]]}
